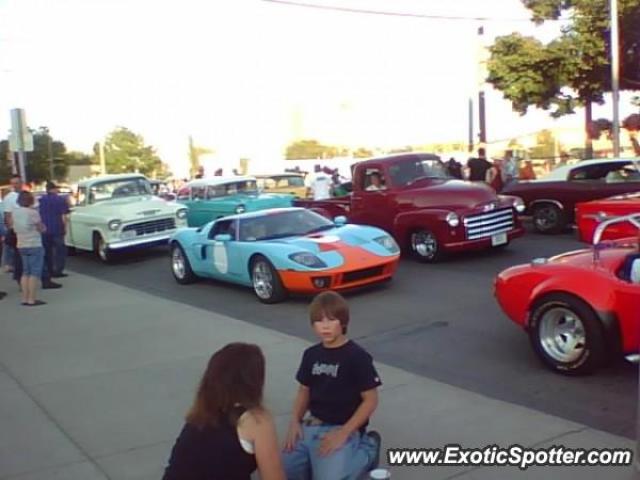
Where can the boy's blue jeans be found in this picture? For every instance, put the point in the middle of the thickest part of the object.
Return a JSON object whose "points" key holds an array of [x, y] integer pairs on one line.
{"points": [[351, 462]]}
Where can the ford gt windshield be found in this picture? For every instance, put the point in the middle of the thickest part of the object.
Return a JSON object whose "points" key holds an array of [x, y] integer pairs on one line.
{"points": [[282, 224]]}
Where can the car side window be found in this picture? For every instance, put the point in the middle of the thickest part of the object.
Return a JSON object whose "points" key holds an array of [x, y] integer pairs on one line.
{"points": [[215, 191], [588, 173], [625, 172], [198, 193], [224, 227], [373, 180]]}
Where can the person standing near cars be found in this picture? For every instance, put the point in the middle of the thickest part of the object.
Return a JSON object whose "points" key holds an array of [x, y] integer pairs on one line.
{"points": [[478, 166], [319, 184], [10, 202], [54, 211], [29, 228]]}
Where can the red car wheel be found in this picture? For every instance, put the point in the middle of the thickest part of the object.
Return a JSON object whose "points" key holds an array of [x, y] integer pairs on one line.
{"points": [[567, 335]]}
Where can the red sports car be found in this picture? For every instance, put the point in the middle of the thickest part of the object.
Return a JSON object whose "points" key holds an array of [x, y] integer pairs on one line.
{"points": [[581, 308], [590, 214]]}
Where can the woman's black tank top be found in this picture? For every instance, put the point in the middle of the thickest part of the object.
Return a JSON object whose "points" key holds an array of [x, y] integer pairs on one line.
{"points": [[211, 453]]}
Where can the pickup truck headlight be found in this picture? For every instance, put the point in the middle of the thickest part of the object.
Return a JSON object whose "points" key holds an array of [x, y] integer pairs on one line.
{"points": [[240, 209], [388, 242], [519, 205], [453, 220], [114, 225], [182, 213], [308, 260]]}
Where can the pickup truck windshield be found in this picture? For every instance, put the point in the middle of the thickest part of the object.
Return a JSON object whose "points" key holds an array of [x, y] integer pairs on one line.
{"points": [[281, 225], [117, 189], [408, 171]]}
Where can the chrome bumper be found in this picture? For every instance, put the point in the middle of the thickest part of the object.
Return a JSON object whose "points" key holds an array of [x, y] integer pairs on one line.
{"points": [[136, 242]]}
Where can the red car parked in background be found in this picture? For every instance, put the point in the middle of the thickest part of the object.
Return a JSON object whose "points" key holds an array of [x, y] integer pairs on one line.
{"points": [[580, 309], [590, 214]]}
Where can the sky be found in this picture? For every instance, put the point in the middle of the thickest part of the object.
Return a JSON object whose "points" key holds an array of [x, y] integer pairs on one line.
{"points": [[244, 77]]}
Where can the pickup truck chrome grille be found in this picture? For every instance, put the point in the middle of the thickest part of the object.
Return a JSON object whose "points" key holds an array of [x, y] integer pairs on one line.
{"points": [[152, 226], [487, 224]]}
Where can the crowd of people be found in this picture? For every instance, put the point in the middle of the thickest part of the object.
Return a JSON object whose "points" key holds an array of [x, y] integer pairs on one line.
{"points": [[32, 235], [498, 173], [228, 433]]}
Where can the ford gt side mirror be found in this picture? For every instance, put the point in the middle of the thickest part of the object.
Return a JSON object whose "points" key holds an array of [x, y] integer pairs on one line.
{"points": [[223, 237], [340, 221]]}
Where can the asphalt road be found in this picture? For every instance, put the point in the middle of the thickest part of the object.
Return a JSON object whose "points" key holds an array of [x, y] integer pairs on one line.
{"points": [[439, 321]]}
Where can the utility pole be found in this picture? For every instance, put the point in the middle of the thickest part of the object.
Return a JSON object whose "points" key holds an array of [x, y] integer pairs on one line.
{"points": [[103, 165], [470, 125], [615, 71], [482, 73], [49, 150]]}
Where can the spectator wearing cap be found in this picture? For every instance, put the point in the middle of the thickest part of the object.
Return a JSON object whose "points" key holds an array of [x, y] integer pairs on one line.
{"points": [[54, 211]]}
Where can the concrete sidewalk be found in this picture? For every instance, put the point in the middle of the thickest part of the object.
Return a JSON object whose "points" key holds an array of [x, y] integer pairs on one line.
{"points": [[94, 385]]}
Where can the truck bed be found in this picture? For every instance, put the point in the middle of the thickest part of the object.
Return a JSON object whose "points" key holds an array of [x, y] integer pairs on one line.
{"points": [[330, 208]]}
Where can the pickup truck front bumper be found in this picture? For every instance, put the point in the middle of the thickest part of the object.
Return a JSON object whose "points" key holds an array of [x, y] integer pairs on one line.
{"points": [[455, 245]]}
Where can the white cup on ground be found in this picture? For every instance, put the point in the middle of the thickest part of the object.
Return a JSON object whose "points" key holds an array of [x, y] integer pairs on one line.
{"points": [[379, 474]]}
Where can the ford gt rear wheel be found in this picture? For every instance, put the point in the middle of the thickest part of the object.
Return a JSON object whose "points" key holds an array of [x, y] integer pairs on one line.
{"points": [[425, 246], [266, 281], [567, 335], [180, 266]]}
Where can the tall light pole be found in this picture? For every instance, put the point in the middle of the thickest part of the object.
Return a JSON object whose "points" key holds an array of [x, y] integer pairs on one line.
{"points": [[482, 73], [615, 71], [49, 150]]}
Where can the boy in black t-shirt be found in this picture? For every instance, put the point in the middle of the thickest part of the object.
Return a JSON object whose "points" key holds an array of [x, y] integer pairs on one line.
{"points": [[338, 387]]}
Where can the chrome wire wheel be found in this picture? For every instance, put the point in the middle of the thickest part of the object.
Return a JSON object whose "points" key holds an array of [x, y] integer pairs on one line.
{"points": [[178, 263], [262, 280], [424, 244], [562, 335]]}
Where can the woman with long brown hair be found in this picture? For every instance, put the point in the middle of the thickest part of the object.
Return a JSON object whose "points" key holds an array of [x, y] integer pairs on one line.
{"points": [[228, 433]]}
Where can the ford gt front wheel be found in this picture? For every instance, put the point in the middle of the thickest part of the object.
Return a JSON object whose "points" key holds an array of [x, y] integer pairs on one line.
{"points": [[566, 334], [266, 281], [180, 266]]}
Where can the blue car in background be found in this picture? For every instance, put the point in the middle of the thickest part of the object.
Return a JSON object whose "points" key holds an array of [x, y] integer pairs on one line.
{"points": [[217, 197]]}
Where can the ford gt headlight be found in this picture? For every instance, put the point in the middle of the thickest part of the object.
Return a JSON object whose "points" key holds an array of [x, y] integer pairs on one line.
{"points": [[308, 260], [241, 209], [453, 220], [114, 225], [388, 242], [519, 205], [182, 213]]}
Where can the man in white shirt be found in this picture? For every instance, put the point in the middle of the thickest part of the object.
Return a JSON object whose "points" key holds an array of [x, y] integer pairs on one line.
{"points": [[319, 184]]}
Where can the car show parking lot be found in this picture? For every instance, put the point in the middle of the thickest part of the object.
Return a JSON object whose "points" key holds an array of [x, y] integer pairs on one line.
{"points": [[439, 321]]}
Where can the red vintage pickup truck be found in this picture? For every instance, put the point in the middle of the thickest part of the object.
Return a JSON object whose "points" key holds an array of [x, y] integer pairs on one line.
{"points": [[427, 212]]}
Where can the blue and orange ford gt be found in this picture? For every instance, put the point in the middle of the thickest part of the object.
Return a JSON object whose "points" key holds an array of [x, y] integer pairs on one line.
{"points": [[284, 250]]}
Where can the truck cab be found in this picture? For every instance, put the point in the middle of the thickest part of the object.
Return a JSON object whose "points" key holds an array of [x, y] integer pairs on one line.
{"points": [[412, 197]]}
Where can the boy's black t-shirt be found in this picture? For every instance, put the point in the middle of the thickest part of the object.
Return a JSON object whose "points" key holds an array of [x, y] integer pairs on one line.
{"points": [[336, 377]]}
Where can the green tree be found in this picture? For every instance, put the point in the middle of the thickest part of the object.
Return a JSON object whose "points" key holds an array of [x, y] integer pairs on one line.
{"points": [[572, 70], [362, 152], [38, 164], [125, 152]]}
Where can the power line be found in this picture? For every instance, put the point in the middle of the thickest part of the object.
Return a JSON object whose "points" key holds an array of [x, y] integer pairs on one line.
{"points": [[395, 14]]}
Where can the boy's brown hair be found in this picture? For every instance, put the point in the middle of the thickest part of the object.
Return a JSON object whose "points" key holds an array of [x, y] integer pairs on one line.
{"points": [[331, 305]]}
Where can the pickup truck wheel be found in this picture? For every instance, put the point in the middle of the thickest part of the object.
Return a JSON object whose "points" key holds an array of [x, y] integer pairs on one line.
{"points": [[548, 218], [101, 249], [425, 246], [567, 335], [266, 281], [180, 266]]}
